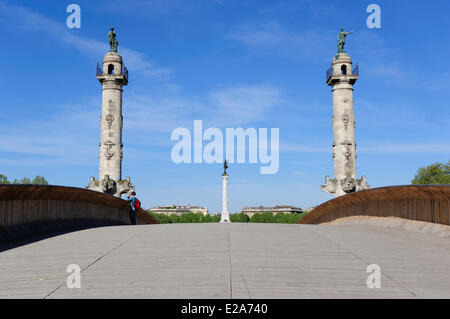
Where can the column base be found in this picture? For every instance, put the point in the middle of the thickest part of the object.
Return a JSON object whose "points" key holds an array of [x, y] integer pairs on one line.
{"points": [[225, 218], [110, 186], [347, 185]]}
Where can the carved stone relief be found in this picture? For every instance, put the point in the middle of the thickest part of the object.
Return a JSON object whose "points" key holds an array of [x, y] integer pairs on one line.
{"points": [[347, 152], [109, 153], [348, 184], [108, 185], [346, 119], [109, 119]]}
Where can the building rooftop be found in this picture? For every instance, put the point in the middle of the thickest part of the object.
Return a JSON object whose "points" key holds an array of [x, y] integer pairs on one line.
{"points": [[271, 208]]}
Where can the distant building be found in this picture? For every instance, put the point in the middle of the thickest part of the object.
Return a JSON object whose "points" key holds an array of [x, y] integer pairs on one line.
{"points": [[179, 210], [250, 211]]}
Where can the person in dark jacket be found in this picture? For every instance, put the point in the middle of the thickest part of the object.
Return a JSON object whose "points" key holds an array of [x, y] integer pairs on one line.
{"points": [[132, 199]]}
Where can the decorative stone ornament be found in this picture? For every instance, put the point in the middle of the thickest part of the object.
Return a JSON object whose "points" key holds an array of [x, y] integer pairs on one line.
{"points": [[109, 119], [108, 185]]}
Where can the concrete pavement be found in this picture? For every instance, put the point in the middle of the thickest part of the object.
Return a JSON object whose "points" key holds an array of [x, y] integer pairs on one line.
{"points": [[230, 261]]}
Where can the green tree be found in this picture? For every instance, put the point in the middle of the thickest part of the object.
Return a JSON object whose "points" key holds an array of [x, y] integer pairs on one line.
{"points": [[293, 218], [24, 180], [281, 218], [174, 218], [39, 180], [306, 212], [190, 217], [211, 218], [207, 218], [437, 173], [161, 218], [266, 217], [4, 179], [239, 218], [256, 218]]}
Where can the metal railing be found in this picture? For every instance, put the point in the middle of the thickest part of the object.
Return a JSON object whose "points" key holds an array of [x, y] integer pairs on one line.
{"points": [[99, 70], [355, 70], [329, 73], [125, 72]]}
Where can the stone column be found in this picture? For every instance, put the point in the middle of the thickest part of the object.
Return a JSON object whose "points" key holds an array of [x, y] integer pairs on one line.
{"points": [[225, 214], [341, 77], [112, 77]]}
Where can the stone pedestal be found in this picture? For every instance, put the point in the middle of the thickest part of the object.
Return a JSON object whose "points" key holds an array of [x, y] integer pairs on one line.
{"points": [[225, 214], [341, 77], [113, 76]]}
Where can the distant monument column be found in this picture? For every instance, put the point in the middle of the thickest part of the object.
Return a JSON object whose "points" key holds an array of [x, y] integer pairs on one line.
{"points": [[225, 215], [342, 76], [113, 77]]}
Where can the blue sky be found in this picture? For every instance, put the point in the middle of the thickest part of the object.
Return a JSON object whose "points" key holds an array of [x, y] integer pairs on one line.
{"points": [[231, 64]]}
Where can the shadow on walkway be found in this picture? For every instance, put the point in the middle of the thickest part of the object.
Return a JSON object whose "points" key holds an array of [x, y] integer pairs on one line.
{"points": [[16, 236]]}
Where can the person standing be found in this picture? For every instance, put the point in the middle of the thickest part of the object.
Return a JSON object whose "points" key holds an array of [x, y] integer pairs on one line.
{"points": [[132, 199]]}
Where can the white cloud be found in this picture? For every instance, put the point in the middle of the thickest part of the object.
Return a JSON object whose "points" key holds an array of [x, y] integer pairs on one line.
{"points": [[298, 148], [224, 107], [66, 137], [23, 17], [391, 74], [146, 7], [266, 36], [380, 59], [440, 82], [378, 148], [71, 136], [242, 104], [271, 37], [406, 148], [395, 115]]}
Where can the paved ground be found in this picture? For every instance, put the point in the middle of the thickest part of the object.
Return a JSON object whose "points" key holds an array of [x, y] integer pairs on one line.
{"points": [[230, 261]]}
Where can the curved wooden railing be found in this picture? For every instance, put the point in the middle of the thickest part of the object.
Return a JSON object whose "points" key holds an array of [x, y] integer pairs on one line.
{"points": [[427, 203], [32, 209]]}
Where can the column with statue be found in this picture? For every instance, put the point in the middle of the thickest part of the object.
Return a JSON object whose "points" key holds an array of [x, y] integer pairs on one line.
{"points": [[225, 215], [341, 77], [112, 76]]}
